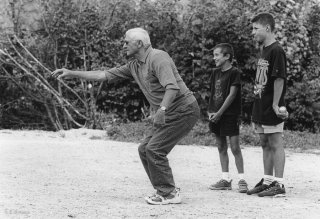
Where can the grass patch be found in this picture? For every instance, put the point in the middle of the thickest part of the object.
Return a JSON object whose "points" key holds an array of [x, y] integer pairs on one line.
{"points": [[301, 140], [200, 135]]}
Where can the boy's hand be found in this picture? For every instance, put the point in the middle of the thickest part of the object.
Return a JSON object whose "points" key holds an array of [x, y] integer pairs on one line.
{"points": [[210, 115], [282, 114], [214, 117]]}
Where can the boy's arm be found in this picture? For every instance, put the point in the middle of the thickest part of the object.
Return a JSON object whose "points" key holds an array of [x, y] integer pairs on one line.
{"points": [[279, 73], [211, 101], [277, 91], [226, 104], [229, 99]]}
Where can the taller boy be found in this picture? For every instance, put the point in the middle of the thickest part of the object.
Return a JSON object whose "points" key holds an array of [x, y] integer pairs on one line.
{"points": [[269, 91]]}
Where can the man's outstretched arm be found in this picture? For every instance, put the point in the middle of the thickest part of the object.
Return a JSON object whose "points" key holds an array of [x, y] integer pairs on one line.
{"points": [[87, 75]]}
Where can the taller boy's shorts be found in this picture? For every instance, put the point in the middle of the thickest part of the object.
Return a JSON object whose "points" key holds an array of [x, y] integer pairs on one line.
{"points": [[226, 126], [268, 129]]}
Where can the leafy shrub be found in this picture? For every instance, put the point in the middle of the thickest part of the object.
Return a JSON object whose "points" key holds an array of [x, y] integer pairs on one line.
{"points": [[301, 141], [88, 36], [200, 135]]}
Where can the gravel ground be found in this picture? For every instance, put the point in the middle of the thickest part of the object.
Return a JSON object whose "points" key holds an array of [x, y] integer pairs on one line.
{"points": [[82, 174]]}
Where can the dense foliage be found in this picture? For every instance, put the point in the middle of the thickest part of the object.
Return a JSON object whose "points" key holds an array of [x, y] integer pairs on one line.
{"points": [[79, 35], [200, 135]]}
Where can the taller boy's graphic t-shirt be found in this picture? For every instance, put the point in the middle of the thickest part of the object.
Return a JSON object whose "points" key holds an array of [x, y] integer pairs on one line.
{"points": [[271, 65]]}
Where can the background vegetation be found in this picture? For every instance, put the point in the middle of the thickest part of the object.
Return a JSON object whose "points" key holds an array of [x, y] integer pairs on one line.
{"points": [[200, 135], [88, 36]]}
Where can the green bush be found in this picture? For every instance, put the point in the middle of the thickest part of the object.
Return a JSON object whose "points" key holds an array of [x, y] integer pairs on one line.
{"points": [[200, 135], [89, 36]]}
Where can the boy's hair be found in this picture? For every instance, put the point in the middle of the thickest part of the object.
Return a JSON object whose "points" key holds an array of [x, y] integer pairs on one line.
{"points": [[225, 48], [264, 19], [139, 34]]}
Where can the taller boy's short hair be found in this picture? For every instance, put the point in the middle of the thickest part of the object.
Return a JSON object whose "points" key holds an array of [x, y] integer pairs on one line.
{"points": [[264, 19], [225, 48]]}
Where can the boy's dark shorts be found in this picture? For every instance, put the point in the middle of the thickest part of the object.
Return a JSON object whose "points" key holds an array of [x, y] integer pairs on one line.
{"points": [[226, 126]]}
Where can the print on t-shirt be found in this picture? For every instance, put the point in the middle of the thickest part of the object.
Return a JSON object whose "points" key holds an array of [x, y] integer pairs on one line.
{"points": [[261, 77], [218, 93]]}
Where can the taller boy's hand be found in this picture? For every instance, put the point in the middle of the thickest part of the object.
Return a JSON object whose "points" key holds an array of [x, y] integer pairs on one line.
{"points": [[281, 115]]}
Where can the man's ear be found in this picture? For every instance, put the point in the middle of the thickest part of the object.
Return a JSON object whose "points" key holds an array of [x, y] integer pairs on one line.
{"points": [[268, 27], [140, 44]]}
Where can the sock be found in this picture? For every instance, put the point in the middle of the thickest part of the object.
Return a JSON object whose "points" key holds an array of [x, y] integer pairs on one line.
{"points": [[241, 176], [279, 180], [267, 179], [225, 176]]}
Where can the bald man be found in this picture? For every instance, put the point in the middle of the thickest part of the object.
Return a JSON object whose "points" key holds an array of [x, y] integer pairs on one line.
{"points": [[174, 108]]}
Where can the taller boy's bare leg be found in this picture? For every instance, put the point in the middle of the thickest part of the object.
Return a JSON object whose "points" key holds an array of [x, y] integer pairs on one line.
{"points": [[267, 155], [276, 188], [276, 145]]}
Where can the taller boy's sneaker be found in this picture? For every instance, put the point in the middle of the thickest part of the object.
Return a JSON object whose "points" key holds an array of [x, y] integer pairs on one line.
{"points": [[221, 185], [274, 189], [258, 188]]}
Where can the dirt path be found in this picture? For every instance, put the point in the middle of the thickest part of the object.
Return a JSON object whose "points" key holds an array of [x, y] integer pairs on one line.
{"points": [[69, 175]]}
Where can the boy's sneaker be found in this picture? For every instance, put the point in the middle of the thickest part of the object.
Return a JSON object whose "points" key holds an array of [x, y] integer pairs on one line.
{"points": [[243, 186], [221, 185], [274, 189], [258, 188], [172, 198]]}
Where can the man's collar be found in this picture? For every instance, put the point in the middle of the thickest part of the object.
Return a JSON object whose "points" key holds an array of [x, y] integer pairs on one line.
{"points": [[143, 58]]}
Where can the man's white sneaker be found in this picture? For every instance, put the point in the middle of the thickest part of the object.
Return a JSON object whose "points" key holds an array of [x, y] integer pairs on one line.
{"points": [[173, 198]]}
